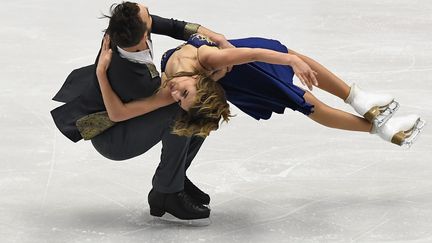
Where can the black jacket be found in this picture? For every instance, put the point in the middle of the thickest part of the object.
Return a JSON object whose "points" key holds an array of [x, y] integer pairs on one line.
{"points": [[81, 93]]}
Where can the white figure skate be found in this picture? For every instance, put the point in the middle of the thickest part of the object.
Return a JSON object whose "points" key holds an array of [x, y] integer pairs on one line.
{"points": [[376, 108], [402, 131]]}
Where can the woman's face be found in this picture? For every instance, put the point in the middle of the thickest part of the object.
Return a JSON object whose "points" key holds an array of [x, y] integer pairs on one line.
{"points": [[183, 90]]}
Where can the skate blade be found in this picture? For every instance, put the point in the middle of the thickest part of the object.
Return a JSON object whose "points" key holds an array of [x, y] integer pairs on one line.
{"points": [[384, 113], [413, 134], [169, 219]]}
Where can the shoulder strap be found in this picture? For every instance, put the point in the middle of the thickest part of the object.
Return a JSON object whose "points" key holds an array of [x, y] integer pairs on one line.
{"points": [[205, 68]]}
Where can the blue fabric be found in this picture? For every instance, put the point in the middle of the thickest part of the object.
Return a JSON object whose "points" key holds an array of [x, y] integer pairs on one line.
{"points": [[195, 40], [258, 88]]}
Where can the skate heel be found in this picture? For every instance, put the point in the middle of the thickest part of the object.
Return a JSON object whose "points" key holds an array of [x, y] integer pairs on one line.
{"points": [[402, 131], [407, 138], [375, 108], [379, 115], [157, 212]]}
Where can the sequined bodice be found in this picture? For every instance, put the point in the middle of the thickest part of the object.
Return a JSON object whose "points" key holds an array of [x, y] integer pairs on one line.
{"points": [[195, 40]]}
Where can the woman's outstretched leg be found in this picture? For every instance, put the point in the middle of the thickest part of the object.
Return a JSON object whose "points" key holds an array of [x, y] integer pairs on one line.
{"points": [[334, 118], [376, 108], [401, 130], [326, 80]]}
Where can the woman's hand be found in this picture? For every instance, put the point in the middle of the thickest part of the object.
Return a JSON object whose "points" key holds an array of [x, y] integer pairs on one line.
{"points": [[304, 72], [105, 56]]}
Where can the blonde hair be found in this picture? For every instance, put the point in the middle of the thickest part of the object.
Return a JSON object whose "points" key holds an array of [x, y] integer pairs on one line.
{"points": [[205, 114]]}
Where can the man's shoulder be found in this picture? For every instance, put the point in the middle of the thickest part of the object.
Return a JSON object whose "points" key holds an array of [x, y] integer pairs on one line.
{"points": [[123, 67]]}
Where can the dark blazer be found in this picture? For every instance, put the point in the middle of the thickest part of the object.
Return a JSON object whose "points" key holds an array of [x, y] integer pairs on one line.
{"points": [[81, 93]]}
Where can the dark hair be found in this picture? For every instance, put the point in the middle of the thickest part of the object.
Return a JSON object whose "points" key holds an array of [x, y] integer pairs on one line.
{"points": [[126, 28]]}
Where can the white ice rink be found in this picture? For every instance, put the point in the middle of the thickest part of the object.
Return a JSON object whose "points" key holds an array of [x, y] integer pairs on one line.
{"points": [[282, 180]]}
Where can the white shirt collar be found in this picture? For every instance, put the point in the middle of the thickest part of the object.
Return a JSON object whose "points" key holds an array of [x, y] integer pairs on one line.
{"points": [[142, 57]]}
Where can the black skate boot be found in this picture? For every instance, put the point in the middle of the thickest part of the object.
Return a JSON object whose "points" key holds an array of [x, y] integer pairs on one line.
{"points": [[196, 193], [180, 205]]}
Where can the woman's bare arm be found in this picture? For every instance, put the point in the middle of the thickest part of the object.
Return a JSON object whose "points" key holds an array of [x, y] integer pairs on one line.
{"points": [[216, 59], [119, 111], [219, 58]]}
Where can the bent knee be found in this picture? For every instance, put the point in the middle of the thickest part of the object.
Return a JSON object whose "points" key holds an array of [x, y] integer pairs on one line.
{"points": [[318, 105], [109, 152], [116, 157], [294, 52], [113, 156]]}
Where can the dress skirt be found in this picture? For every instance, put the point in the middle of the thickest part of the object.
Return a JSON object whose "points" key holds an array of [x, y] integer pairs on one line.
{"points": [[259, 89]]}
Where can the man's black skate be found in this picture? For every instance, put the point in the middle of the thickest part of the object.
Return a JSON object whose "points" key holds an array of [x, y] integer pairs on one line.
{"points": [[196, 193], [178, 204]]}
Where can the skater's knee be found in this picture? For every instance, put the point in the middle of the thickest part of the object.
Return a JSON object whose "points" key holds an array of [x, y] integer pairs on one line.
{"points": [[319, 106], [113, 156], [303, 57], [110, 152], [294, 53], [117, 158], [311, 99]]}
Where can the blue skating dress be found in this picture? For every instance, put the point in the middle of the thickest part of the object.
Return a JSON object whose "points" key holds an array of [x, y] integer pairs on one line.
{"points": [[256, 88]]}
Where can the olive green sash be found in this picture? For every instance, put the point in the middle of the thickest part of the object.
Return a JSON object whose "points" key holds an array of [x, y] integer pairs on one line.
{"points": [[94, 124]]}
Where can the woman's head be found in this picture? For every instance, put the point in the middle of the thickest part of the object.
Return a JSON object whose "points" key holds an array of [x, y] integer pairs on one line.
{"points": [[203, 102]]}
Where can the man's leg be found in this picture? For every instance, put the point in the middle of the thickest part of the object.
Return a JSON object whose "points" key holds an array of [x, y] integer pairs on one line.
{"points": [[197, 194], [194, 147], [170, 173], [134, 137], [169, 179]]}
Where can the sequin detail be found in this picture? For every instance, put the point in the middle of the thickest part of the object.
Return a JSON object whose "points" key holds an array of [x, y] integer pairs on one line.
{"points": [[152, 69], [202, 38], [94, 124], [190, 29]]}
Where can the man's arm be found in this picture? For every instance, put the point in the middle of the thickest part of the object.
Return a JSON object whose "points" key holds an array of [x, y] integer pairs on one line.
{"points": [[218, 38], [183, 30], [119, 111], [169, 27]]}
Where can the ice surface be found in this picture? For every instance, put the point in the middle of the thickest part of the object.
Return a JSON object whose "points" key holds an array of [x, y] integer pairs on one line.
{"points": [[283, 180]]}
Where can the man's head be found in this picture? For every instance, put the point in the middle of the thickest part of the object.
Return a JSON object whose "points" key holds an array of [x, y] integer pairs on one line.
{"points": [[203, 102], [129, 26]]}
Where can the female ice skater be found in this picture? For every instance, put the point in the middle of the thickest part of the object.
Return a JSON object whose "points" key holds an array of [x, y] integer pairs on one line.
{"points": [[259, 83]]}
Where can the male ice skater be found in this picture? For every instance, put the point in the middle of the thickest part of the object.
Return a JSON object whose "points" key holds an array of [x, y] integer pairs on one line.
{"points": [[133, 76]]}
